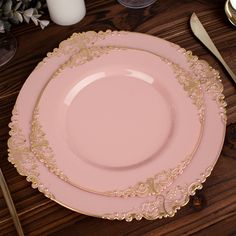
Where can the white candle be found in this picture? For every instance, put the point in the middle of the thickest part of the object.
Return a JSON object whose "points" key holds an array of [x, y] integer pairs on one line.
{"points": [[66, 12], [233, 3]]}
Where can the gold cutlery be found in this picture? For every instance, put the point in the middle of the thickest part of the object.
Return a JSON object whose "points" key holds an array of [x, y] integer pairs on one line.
{"points": [[200, 32], [10, 204]]}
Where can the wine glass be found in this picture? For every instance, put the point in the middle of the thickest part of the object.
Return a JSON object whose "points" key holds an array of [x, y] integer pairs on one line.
{"points": [[8, 46], [230, 10], [136, 3]]}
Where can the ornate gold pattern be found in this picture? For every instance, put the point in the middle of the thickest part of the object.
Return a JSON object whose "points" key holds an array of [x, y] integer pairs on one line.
{"points": [[154, 185], [162, 206], [20, 156], [26, 164], [191, 86], [39, 144], [151, 186], [209, 79], [41, 148], [77, 42], [83, 56]]}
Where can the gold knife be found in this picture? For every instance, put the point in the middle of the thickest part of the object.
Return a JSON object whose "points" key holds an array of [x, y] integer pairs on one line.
{"points": [[10, 204], [200, 32]]}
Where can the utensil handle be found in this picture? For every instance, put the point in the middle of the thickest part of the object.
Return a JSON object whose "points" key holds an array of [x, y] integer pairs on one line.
{"points": [[231, 73], [10, 204]]}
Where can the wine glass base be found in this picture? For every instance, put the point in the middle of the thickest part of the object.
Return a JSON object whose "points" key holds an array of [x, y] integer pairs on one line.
{"points": [[8, 46], [136, 4]]}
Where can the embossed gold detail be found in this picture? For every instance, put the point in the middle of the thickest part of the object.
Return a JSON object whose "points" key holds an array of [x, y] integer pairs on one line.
{"points": [[151, 186], [20, 156], [83, 56], [77, 42], [192, 86], [26, 164], [201, 70], [39, 144], [41, 148], [209, 79], [154, 185], [163, 205]]}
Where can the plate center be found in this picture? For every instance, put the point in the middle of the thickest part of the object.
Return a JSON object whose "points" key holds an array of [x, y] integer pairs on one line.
{"points": [[118, 121]]}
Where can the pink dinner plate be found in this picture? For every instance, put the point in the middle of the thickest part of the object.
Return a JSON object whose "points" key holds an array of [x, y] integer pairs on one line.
{"points": [[124, 121], [151, 207]]}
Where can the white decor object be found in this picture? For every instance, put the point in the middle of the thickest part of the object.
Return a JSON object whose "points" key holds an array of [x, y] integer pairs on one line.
{"points": [[66, 12]]}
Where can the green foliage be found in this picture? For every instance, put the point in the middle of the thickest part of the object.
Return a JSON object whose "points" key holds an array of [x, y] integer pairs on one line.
{"points": [[17, 11]]}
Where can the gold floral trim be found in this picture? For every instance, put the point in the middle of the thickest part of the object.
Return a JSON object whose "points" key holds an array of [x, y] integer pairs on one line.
{"points": [[151, 186], [191, 86], [20, 156], [78, 41], [83, 56], [41, 148], [26, 164], [162, 206], [39, 144], [209, 79], [154, 185]]}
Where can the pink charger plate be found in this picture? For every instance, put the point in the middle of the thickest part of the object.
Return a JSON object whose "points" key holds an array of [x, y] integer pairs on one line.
{"points": [[123, 121], [153, 207]]}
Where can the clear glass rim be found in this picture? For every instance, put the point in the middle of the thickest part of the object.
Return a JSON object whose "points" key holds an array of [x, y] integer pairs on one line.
{"points": [[136, 6], [8, 46]]}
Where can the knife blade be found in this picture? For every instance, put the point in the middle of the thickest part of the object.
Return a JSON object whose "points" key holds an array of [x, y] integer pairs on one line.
{"points": [[200, 32]]}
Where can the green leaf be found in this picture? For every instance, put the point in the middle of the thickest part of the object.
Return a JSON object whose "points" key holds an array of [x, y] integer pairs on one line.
{"points": [[17, 11], [38, 5], [18, 16], [37, 16], [43, 23], [26, 18], [29, 12], [17, 6], [2, 29], [1, 3], [7, 7], [35, 11], [35, 20], [7, 25], [10, 15]]}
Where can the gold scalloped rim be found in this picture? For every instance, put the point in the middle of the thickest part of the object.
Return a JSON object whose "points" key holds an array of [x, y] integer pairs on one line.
{"points": [[20, 156], [161, 207], [208, 76], [33, 178], [150, 186], [26, 165], [210, 80]]}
